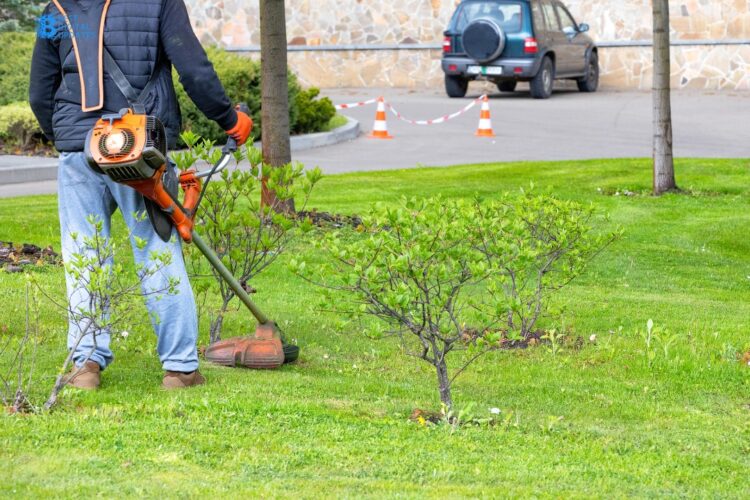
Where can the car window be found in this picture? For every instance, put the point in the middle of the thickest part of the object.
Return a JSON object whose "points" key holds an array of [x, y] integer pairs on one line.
{"points": [[538, 16], [566, 20], [507, 15], [552, 22]]}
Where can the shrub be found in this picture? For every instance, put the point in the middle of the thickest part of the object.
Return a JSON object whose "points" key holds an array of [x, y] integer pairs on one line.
{"points": [[430, 269], [241, 79], [246, 235], [239, 75], [18, 125], [15, 66], [537, 245], [314, 114]]}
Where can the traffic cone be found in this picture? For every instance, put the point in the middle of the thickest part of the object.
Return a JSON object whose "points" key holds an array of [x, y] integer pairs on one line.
{"points": [[485, 122], [380, 127]]}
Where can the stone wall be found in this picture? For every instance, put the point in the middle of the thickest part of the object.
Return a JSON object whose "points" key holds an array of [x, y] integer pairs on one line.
{"points": [[392, 42]]}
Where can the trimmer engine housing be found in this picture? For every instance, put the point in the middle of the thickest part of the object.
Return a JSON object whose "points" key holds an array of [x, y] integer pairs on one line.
{"points": [[127, 146]]}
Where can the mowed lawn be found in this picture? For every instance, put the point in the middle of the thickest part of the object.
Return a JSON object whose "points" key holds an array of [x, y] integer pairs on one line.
{"points": [[592, 421]]}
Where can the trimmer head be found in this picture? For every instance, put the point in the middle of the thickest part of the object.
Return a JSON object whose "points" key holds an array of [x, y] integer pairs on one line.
{"points": [[264, 350]]}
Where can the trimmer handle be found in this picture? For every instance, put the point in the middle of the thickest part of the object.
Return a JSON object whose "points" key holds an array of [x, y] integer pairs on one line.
{"points": [[231, 145]]}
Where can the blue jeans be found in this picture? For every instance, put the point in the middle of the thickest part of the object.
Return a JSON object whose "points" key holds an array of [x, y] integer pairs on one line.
{"points": [[83, 192]]}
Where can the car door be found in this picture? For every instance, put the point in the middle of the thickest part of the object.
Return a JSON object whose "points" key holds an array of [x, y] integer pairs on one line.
{"points": [[575, 45], [556, 39]]}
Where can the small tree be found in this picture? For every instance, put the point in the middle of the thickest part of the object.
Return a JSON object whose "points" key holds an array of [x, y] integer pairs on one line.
{"points": [[664, 179], [106, 290], [247, 235], [413, 271], [537, 245], [18, 359], [428, 269]]}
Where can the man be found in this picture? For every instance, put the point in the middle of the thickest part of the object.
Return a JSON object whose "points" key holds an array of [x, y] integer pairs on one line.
{"points": [[84, 48]]}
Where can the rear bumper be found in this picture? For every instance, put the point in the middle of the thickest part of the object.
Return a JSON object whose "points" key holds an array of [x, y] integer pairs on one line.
{"points": [[511, 68]]}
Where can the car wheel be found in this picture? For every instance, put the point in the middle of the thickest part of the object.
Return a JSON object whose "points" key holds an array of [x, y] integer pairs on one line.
{"points": [[590, 82], [507, 86], [541, 84], [455, 86]]}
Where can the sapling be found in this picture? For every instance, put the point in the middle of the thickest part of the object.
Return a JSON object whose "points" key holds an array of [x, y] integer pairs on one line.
{"points": [[18, 359], [537, 245], [428, 268], [106, 290], [412, 269], [246, 235]]}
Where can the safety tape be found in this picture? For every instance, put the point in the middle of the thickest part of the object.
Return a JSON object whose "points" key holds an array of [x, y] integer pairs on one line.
{"points": [[356, 104], [442, 119], [398, 115]]}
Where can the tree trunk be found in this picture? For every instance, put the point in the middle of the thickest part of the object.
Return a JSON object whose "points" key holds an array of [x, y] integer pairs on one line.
{"points": [[444, 382], [274, 93], [216, 327], [664, 179]]}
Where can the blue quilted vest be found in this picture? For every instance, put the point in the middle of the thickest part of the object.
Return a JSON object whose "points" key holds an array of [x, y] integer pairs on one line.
{"points": [[129, 30]]}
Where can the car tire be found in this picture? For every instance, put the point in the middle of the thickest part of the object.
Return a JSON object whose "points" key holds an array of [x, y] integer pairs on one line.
{"points": [[455, 86], [541, 85], [509, 86], [590, 82]]}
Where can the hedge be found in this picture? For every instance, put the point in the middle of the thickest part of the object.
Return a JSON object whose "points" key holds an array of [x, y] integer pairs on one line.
{"points": [[18, 125], [240, 76]]}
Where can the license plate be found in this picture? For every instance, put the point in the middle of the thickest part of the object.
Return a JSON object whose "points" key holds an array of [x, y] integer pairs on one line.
{"points": [[485, 70]]}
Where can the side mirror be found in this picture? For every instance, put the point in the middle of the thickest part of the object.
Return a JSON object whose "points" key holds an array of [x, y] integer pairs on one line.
{"points": [[583, 27]]}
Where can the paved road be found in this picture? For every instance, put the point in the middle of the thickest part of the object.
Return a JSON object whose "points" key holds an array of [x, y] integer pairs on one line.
{"points": [[568, 126]]}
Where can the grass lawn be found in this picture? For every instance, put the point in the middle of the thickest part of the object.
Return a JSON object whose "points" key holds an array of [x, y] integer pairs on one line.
{"points": [[591, 422]]}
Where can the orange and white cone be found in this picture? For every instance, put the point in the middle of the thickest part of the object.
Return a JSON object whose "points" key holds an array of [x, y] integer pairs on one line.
{"points": [[380, 127], [485, 122]]}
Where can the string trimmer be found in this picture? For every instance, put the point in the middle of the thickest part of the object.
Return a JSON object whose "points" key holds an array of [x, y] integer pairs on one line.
{"points": [[131, 148]]}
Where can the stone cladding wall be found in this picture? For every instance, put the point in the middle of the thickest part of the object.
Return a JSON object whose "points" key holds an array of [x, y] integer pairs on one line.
{"points": [[713, 38]]}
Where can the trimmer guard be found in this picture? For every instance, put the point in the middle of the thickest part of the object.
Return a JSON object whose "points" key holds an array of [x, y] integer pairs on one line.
{"points": [[264, 350]]}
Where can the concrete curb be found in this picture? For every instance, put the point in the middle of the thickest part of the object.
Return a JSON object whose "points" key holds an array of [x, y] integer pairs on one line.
{"points": [[344, 133], [23, 169]]}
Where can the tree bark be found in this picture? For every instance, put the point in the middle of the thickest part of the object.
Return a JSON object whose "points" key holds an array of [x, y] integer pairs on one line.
{"points": [[664, 178], [444, 382], [274, 93]]}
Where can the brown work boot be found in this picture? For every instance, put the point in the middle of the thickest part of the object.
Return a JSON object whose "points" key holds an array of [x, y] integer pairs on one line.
{"points": [[87, 377], [179, 380]]}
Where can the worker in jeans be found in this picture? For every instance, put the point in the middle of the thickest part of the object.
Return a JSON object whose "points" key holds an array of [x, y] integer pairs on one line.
{"points": [[79, 45]]}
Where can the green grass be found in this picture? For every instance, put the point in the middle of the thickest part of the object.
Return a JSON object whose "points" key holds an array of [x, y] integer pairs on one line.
{"points": [[334, 123], [336, 424]]}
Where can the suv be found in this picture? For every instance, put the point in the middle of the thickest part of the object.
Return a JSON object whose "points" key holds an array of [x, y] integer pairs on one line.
{"points": [[507, 41]]}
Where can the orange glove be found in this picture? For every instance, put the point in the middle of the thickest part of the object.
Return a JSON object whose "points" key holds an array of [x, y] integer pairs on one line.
{"points": [[241, 131]]}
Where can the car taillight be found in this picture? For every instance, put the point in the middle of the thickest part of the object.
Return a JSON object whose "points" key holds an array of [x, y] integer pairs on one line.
{"points": [[530, 46], [447, 44]]}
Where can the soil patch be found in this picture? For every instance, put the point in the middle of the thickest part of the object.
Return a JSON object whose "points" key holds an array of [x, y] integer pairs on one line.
{"points": [[531, 340], [327, 219], [13, 258]]}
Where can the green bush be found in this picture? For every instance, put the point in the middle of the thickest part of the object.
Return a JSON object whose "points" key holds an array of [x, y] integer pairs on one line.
{"points": [[15, 65], [239, 75], [314, 114], [447, 275], [241, 79], [18, 125]]}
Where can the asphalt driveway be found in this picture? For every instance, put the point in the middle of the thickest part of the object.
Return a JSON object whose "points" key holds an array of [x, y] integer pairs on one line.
{"points": [[568, 126]]}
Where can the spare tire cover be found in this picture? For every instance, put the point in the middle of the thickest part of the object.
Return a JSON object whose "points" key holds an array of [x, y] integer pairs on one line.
{"points": [[483, 40]]}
